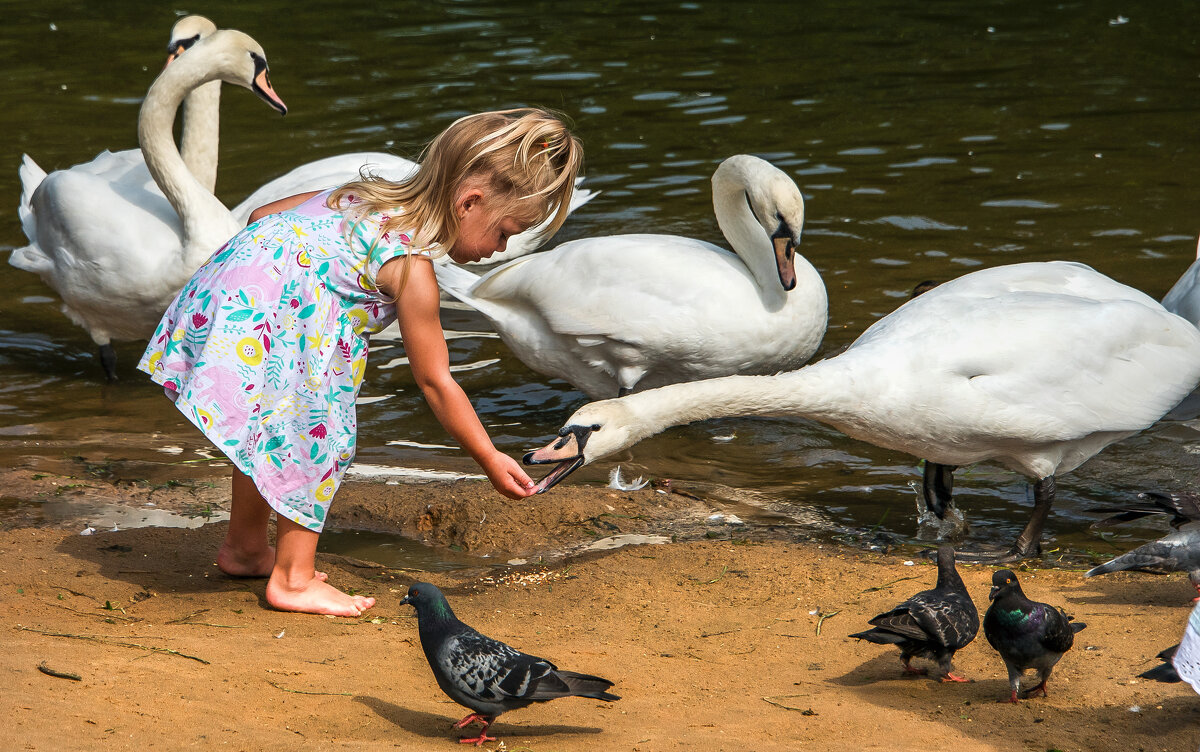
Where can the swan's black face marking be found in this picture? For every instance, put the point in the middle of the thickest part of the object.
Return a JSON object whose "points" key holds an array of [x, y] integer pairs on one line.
{"points": [[785, 254], [566, 450], [262, 85], [177, 47]]}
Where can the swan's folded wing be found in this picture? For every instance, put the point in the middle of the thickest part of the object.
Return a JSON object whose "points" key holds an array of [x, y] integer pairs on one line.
{"points": [[598, 287]]}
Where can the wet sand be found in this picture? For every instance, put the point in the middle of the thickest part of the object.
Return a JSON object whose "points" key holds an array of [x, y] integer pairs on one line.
{"points": [[728, 639]]}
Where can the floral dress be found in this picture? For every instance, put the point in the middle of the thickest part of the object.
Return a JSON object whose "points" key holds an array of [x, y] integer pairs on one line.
{"points": [[264, 349]]}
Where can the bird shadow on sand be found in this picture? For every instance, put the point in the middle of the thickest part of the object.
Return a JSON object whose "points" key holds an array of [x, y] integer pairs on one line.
{"points": [[435, 726], [976, 709]]}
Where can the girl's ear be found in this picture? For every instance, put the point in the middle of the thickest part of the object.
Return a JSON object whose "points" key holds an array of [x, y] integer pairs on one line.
{"points": [[468, 199]]}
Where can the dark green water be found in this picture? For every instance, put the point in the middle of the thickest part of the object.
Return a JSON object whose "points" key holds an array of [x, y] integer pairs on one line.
{"points": [[929, 139]]}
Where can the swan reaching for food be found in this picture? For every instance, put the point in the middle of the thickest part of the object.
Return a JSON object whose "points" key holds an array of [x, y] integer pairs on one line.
{"points": [[114, 250], [1036, 366], [623, 312]]}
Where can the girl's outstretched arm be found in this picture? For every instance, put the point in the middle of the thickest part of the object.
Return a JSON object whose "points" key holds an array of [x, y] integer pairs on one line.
{"points": [[418, 310]]}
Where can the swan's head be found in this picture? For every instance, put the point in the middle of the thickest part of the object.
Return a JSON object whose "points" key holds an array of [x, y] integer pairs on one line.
{"points": [[238, 59], [596, 430], [775, 202], [186, 32]]}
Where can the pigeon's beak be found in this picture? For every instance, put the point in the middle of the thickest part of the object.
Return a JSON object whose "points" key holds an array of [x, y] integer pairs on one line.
{"points": [[405, 601], [566, 451], [995, 591]]}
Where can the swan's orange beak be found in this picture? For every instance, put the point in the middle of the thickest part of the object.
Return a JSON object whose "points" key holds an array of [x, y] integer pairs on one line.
{"points": [[785, 259], [262, 87], [566, 451]]}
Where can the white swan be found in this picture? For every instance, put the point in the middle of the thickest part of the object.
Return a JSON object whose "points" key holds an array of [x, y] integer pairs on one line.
{"points": [[623, 312], [1036, 366], [198, 146], [114, 248]]}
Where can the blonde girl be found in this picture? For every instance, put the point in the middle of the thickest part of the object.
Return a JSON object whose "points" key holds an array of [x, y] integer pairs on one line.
{"points": [[264, 349]]}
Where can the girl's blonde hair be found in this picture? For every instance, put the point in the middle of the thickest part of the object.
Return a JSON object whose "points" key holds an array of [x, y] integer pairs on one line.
{"points": [[526, 159]]}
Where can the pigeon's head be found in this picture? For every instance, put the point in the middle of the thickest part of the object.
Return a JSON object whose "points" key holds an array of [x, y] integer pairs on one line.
{"points": [[1003, 583], [945, 555], [596, 430], [428, 601]]}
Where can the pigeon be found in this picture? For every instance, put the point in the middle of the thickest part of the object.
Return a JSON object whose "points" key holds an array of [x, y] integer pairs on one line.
{"points": [[1027, 634], [1184, 507], [1178, 551], [932, 624], [486, 675], [1164, 672]]}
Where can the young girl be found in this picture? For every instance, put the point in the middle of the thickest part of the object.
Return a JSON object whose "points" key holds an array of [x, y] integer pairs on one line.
{"points": [[264, 349]]}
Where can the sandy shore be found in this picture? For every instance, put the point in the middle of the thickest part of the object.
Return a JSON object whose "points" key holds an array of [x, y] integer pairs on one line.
{"points": [[737, 643]]}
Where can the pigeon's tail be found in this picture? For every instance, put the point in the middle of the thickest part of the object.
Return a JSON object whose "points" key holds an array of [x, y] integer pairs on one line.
{"points": [[571, 684], [1077, 626], [879, 637], [1144, 559], [1163, 673]]}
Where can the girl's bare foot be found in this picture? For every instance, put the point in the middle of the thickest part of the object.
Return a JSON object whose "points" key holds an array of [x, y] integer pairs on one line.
{"points": [[314, 596], [258, 563]]}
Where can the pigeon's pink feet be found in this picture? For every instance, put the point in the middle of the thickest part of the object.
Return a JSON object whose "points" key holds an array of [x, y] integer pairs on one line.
{"points": [[1034, 691], [1012, 698], [471, 719], [952, 677], [477, 740], [910, 670]]}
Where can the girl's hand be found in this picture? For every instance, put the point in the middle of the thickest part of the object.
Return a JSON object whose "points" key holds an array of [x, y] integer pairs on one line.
{"points": [[507, 476]]}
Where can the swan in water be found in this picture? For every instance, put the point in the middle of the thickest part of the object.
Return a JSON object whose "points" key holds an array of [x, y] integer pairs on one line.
{"points": [[623, 312], [1036, 366], [116, 249]]}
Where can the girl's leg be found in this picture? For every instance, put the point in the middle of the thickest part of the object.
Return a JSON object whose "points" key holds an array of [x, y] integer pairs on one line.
{"points": [[294, 583], [246, 551]]}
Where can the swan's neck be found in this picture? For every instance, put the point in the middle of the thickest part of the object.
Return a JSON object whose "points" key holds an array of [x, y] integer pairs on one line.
{"points": [[201, 133], [820, 392], [204, 218], [752, 244]]}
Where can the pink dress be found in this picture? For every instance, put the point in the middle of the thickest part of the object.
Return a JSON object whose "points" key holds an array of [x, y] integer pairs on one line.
{"points": [[264, 349]]}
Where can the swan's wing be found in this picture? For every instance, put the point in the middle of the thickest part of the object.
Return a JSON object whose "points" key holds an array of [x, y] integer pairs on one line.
{"points": [[598, 287], [324, 174], [1039, 365]]}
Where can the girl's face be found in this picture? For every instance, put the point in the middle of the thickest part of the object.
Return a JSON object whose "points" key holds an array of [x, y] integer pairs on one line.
{"points": [[480, 232]]}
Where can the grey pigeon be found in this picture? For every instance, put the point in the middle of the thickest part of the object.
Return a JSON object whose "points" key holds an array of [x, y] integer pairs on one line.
{"points": [[1164, 672], [932, 624], [1184, 507], [1178, 551], [1027, 634], [486, 675]]}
